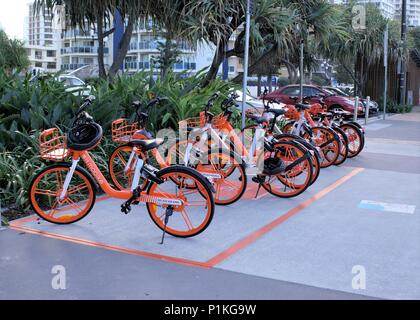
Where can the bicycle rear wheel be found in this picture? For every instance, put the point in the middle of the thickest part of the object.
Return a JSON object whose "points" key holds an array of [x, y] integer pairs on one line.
{"points": [[295, 180], [197, 210], [315, 157], [121, 176], [45, 190]]}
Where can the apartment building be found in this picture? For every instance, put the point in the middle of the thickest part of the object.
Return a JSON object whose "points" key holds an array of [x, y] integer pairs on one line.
{"points": [[387, 7], [413, 12], [53, 46], [144, 45], [42, 40], [79, 48]]}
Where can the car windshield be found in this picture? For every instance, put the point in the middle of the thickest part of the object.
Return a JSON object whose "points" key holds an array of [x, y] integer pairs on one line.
{"points": [[341, 92], [329, 92]]}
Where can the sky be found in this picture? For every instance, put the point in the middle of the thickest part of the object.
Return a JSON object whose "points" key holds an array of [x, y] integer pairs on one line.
{"points": [[12, 15]]}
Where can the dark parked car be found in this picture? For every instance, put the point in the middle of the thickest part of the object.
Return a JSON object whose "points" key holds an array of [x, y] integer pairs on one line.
{"points": [[332, 101]]}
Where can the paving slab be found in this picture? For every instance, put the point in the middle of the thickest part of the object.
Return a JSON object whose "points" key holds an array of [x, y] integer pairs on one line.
{"points": [[321, 245], [105, 225]]}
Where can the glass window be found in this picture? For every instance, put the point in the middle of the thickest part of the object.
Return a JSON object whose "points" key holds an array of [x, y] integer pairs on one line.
{"points": [[291, 91]]}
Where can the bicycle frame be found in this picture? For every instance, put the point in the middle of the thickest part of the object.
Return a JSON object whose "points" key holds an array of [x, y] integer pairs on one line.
{"points": [[162, 162], [172, 200]]}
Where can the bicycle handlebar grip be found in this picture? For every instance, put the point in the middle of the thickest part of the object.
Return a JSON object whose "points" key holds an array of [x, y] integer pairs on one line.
{"points": [[90, 99]]}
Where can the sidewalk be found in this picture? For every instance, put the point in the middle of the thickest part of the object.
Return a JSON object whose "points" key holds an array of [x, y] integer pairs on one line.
{"points": [[364, 213]]}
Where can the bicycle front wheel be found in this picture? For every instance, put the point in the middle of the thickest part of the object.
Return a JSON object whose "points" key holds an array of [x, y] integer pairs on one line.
{"points": [[47, 186], [197, 210]]}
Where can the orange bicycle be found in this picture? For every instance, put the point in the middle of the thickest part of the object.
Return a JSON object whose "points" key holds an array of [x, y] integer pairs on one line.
{"points": [[226, 172], [285, 168], [65, 193]]}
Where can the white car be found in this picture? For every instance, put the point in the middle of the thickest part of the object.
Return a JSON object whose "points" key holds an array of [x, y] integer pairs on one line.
{"points": [[71, 83], [75, 85], [256, 103]]}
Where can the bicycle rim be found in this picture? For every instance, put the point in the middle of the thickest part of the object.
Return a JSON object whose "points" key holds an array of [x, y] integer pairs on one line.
{"points": [[196, 213], [45, 191]]}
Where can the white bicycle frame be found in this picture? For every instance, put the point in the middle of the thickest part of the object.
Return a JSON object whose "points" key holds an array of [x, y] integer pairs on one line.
{"points": [[74, 164]]}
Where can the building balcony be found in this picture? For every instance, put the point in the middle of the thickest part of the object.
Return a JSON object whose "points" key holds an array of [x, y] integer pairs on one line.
{"points": [[87, 50], [72, 66], [134, 65]]}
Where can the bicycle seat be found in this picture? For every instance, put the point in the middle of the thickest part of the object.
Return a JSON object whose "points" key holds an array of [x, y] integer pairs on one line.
{"points": [[147, 145], [340, 112], [136, 104], [302, 106], [277, 112], [257, 119], [325, 114]]}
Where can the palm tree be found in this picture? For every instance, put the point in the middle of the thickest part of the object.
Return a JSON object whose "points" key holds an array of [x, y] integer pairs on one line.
{"points": [[13, 55], [363, 48], [100, 14]]}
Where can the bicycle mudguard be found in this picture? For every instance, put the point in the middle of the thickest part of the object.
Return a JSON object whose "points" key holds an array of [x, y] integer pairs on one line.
{"points": [[301, 141], [356, 124], [192, 172]]}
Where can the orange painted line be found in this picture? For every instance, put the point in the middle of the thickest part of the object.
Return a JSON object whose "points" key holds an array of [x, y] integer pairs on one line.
{"points": [[135, 252], [17, 225], [267, 228], [34, 217]]}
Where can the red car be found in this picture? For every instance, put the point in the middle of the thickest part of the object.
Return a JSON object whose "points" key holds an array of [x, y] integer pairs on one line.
{"points": [[332, 101]]}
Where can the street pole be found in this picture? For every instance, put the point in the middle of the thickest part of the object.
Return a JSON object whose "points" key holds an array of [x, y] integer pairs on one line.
{"points": [[356, 108], [386, 69], [301, 70], [367, 109], [1, 220], [246, 59], [403, 44]]}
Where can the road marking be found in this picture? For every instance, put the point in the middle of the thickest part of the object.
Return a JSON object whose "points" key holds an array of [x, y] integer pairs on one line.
{"points": [[155, 256], [248, 240], [389, 207]]}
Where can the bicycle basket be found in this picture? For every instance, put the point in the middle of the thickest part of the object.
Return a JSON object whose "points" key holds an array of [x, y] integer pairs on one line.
{"points": [[196, 122], [219, 121], [53, 146], [122, 130]]}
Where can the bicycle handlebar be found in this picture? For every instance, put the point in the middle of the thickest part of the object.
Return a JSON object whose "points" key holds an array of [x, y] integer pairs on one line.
{"points": [[211, 101]]}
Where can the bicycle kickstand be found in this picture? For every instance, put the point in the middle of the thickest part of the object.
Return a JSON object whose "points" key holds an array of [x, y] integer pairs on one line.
{"points": [[169, 212], [260, 182]]}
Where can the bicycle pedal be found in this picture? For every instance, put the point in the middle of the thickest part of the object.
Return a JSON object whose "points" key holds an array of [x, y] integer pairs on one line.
{"points": [[125, 208]]}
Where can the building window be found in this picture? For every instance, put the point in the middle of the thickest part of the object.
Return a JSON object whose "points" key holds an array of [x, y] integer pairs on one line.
{"points": [[38, 64], [231, 69], [51, 54], [38, 54], [51, 65]]}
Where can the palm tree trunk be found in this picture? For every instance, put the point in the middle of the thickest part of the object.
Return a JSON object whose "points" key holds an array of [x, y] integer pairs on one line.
{"points": [[215, 66], [101, 64], [123, 48], [259, 85], [270, 82]]}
